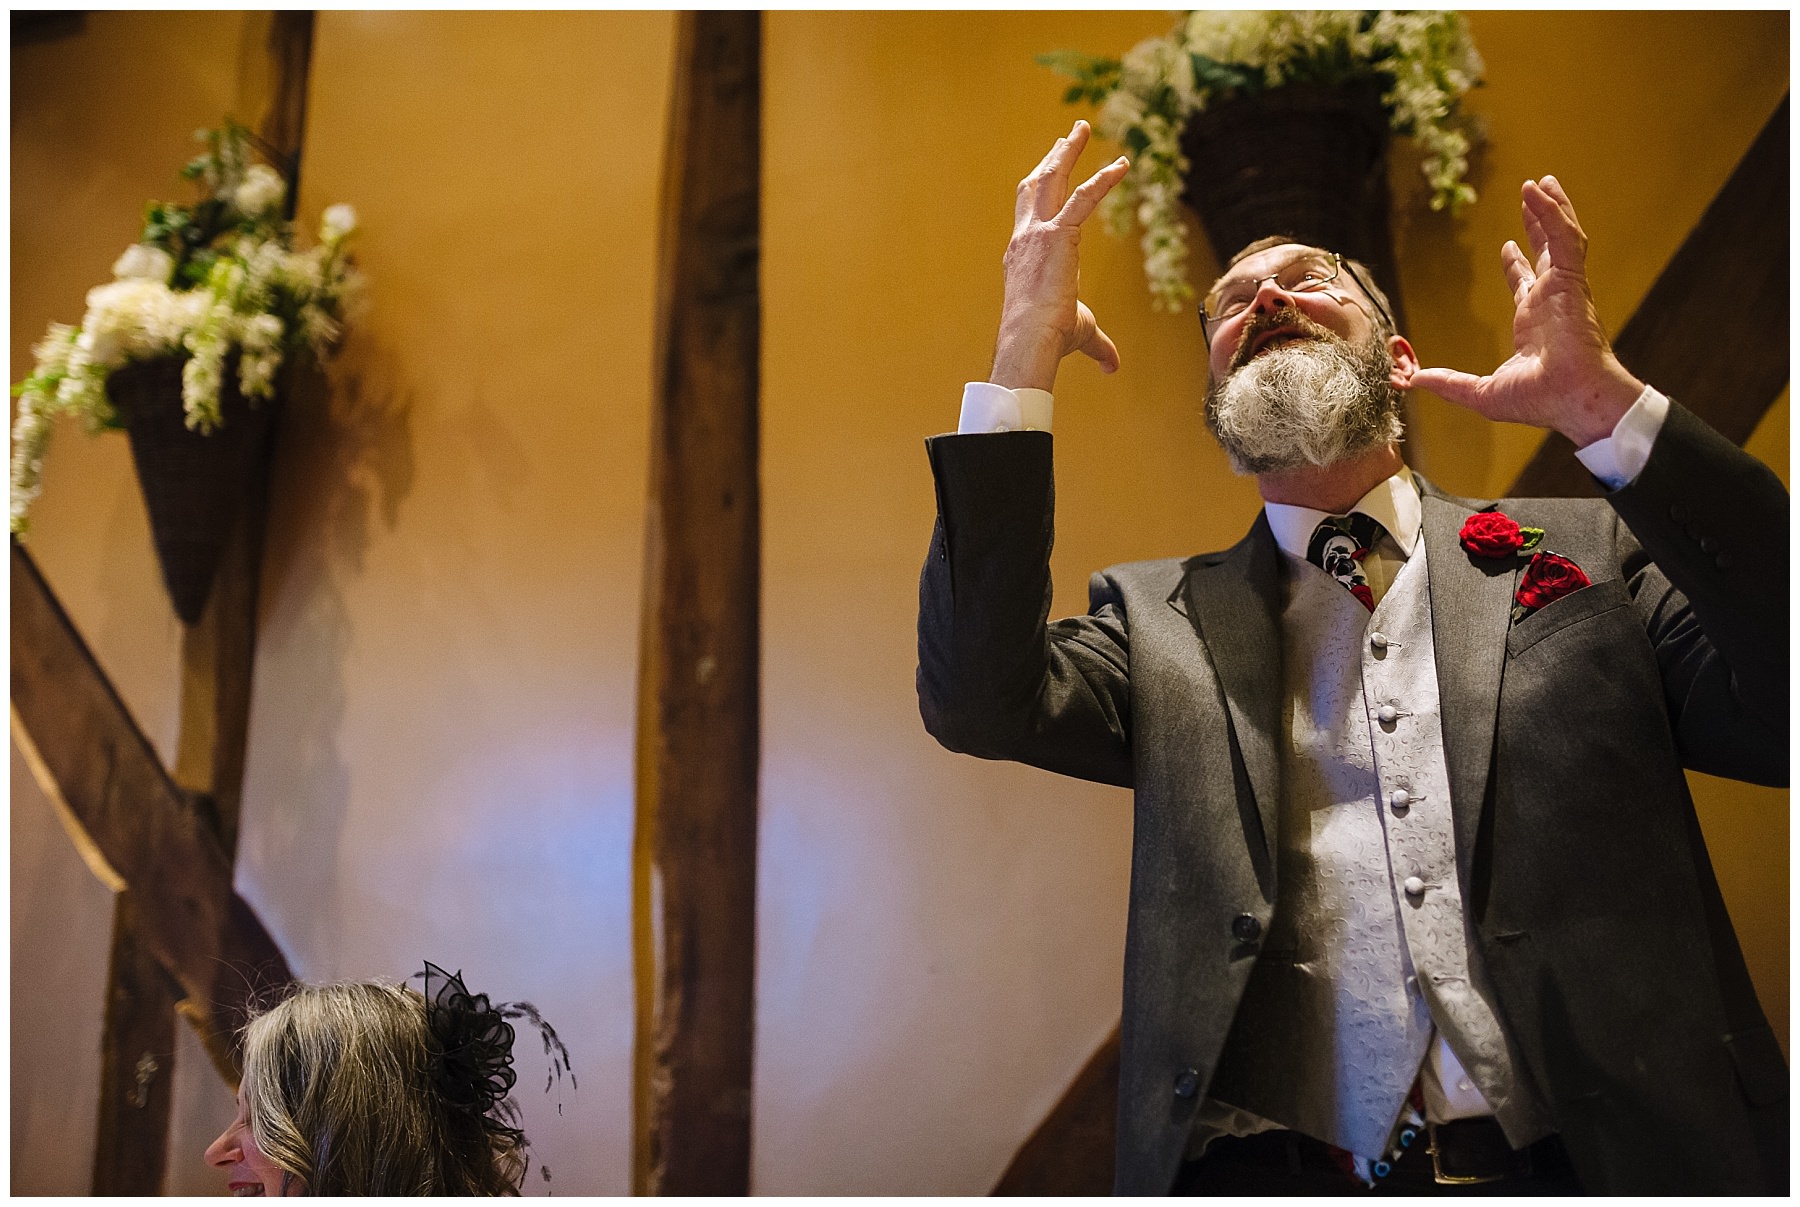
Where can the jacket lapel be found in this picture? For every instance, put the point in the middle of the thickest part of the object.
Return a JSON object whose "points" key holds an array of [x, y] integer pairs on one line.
{"points": [[1471, 605], [1234, 603]]}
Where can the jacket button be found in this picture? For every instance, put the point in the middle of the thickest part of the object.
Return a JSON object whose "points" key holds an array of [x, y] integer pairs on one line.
{"points": [[1246, 929], [1678, 513], [1187, 1083]]}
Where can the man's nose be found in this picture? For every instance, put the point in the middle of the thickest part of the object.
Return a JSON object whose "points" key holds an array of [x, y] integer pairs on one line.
{"points": [[1270, 297]]}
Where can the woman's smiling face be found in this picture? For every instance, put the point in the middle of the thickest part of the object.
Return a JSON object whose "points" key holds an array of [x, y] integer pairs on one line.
{"points": [[252, 1174]]}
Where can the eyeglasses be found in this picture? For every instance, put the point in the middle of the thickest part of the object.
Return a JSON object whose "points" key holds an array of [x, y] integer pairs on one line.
{"points": [[1308, 273]]}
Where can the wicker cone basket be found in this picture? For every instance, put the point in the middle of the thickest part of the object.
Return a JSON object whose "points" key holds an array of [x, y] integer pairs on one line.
{"points": [[194, 486], [1299, 160]]}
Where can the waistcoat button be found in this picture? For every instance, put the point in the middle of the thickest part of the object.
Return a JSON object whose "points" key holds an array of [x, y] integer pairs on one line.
{"points": [[1414, 887], [1245, 928], [1187, 1083]]}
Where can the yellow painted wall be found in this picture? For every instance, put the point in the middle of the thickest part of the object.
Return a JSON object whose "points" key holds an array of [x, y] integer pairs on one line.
{"points": [[440, 751]]}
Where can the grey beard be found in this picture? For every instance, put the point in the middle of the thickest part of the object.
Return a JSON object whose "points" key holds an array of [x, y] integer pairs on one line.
{"points": [[1311, 401]]}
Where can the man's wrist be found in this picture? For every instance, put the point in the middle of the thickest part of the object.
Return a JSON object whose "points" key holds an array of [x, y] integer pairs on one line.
{"points": [[1026, 360], [1595, 412]]}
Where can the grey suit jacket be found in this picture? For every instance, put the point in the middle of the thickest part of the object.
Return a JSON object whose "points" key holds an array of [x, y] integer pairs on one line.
{"points": [[1589, 893]]}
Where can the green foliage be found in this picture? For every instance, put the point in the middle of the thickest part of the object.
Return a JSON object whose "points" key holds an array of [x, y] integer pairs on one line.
{"points": [[1225, 78], [1095, 76]]}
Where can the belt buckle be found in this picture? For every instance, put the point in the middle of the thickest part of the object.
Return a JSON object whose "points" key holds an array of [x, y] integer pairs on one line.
{"points": [[1445, 1179]]}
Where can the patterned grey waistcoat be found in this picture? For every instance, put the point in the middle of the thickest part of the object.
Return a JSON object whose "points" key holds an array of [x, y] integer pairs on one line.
{"points": [[1367, 948]]}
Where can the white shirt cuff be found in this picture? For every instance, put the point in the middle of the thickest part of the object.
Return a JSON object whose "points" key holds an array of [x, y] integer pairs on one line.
{"points": [[1619, 458], [987, 407]]}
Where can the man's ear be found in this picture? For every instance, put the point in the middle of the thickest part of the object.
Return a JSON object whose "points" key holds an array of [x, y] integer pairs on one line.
{"points": [[1406, 362]]}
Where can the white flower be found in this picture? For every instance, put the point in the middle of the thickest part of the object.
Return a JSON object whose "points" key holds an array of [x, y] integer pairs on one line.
{"points": [[260, 191], [338, 223], [144, 262], [52, 352]]}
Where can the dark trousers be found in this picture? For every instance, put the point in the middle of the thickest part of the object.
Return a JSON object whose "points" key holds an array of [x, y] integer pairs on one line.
{"points": [[1287, 1163]]}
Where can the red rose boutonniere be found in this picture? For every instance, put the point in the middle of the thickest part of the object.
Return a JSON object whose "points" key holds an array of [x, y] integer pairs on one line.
{"points": [[1496, 534], [1550, 576]]}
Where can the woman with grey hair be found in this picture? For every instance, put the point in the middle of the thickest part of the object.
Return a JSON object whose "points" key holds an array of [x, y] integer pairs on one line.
{"points": [[376, 1089]]}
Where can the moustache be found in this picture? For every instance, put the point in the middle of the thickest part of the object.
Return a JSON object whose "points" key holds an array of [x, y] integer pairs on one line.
{"points": [[1283, 319]]}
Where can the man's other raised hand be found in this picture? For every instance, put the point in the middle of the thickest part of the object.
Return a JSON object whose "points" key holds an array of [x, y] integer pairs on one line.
{"points": [[1562, 373], [1043, 318]]}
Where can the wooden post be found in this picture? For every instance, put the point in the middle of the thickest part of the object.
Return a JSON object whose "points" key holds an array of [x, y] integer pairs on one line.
{"points": [[137, 1049], [694, 851]]}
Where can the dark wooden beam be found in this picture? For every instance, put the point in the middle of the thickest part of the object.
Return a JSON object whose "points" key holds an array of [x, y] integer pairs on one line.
{"points": [[1071, 1152], [1727, 371], [694, 856], [283, 124], [128, 819], [218, 663], [137, 1047]]}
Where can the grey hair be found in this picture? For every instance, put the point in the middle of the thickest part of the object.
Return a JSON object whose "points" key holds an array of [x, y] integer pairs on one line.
{"points": [[340, 1081]]}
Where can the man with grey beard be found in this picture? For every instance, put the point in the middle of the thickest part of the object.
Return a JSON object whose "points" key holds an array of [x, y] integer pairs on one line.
{"points": [[1418, 899], [1313, 400]]}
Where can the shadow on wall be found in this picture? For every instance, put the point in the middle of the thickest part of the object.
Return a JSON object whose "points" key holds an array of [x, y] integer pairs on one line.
{"points": [[343, 462]]}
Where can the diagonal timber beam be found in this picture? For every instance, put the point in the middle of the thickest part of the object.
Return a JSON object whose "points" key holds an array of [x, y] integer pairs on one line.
{"points": [[1071, 1152], [1728, 373], [130, 822]]}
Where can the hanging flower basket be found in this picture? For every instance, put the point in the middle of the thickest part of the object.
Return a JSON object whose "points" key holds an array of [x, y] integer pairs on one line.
{"points": [[195, 486], [1264, 120], [183, 350], [1304, 160]]}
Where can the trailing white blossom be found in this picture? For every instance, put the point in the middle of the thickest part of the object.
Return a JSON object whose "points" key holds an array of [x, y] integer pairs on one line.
{"points": [[218, 280], [1424, 62]]}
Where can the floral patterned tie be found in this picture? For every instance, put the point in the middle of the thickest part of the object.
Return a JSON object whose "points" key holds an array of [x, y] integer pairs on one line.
{"points": [[1338, 547]]}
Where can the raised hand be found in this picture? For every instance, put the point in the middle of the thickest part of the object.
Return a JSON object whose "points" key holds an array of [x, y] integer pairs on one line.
{"points": [[1562, 373], [1043, 318]]}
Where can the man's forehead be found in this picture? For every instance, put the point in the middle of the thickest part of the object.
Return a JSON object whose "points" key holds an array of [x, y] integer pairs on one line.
{"points": [[1269, 259]]}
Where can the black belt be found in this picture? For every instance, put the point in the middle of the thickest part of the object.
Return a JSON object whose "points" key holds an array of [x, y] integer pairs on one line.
{"points": [[1465, 1152]]}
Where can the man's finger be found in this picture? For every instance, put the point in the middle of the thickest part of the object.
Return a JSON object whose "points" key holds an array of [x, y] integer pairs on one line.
{"points": [[1562, 234], [1553, 186], [1052, 175], [1098, 344], [1042, 180], [1534, 231], [1082, 201], [1452, 385], [1519, 275]]}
